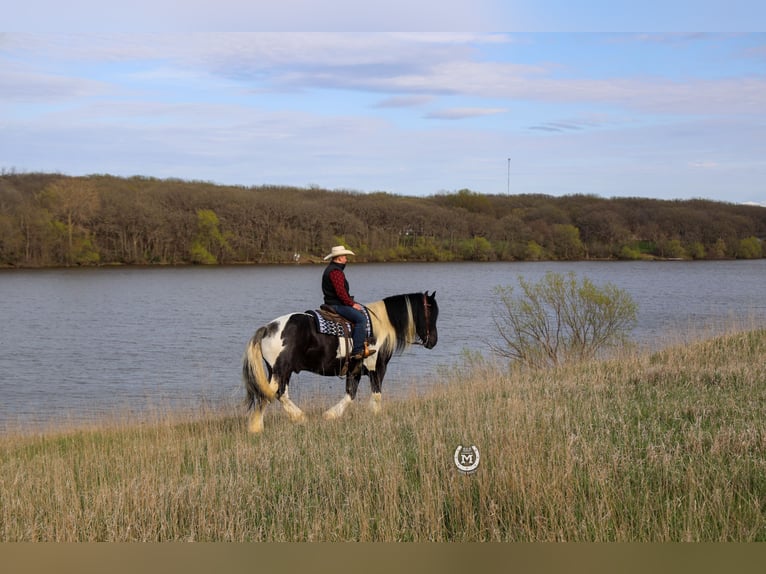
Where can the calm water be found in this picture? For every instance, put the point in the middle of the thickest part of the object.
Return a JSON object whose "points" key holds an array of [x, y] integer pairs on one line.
{"points": [[78, 343]]}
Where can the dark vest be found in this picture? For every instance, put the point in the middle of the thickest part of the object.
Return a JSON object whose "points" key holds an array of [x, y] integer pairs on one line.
{"points": [[330, 298]]}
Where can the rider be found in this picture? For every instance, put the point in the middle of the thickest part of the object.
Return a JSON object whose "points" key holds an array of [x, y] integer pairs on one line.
{"points": [[335, 290]]}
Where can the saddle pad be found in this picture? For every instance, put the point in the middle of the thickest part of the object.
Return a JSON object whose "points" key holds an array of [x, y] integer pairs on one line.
{"points": [[328, 327]]}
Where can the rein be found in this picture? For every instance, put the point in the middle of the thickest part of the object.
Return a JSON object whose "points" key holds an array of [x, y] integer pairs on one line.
{"points": [[426, 308]]}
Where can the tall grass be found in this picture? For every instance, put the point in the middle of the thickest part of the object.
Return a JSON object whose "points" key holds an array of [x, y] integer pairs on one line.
{"points": [[664, 446]]}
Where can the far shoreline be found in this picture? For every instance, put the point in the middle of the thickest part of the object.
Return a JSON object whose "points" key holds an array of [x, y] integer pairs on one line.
{"points": [[319, 262]]}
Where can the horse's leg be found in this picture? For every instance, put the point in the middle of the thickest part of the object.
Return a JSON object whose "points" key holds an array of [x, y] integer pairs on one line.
{"points": [[352, 384], [255, 421], [376, 386], [296, 414], [375, 396], [280, 378]]}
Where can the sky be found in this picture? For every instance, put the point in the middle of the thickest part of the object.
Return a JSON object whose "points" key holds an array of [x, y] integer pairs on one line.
{"points": [[556, 104]]}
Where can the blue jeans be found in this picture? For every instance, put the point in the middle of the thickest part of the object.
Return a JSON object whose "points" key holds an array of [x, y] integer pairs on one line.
{"points": [[359, 322]]}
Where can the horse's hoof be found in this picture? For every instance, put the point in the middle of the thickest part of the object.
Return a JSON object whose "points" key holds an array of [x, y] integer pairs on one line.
{"points": [[335, 412], [375, 403], [255, 427]]}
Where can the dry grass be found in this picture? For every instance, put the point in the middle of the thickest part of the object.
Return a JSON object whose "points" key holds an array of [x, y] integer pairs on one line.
{"points": [[648, 447]]}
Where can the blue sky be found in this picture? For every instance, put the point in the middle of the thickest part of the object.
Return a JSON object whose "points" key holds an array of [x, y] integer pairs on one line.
{"points": [[650, 113]]}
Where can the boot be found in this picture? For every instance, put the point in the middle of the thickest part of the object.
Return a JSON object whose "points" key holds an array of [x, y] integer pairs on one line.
{"points": [[363, 354]]}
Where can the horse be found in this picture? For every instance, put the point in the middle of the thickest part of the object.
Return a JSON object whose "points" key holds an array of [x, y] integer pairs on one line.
{"points": [[292, 343]]}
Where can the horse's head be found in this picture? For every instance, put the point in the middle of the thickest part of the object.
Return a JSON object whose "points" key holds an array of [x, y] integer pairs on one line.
{"points": [[426, 328]]}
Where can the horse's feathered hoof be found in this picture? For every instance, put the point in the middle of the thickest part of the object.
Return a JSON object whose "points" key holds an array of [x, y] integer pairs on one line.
{"points": [[255, 423], [375, 403], [336, 411]]}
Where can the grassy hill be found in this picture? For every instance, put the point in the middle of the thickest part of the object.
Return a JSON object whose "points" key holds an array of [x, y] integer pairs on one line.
{"points": [[665, 446]]}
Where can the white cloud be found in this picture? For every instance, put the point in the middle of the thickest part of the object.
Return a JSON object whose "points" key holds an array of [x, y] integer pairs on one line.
{"points": [[404, 102], [19, 84], [396, 64], [332, 109], [246, 15], [463, 113], [704, 164]]}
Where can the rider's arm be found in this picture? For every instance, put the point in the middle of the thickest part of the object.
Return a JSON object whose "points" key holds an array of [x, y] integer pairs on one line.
{"points": [[338, 282]]}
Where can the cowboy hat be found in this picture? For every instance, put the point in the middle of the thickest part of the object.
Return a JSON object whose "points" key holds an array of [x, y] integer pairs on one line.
{"points": [[337, 251]]}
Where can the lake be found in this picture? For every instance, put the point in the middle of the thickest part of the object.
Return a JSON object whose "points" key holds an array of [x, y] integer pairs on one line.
{"points": [[82, 343]]}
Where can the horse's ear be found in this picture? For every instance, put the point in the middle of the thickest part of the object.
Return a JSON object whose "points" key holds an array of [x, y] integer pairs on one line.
{"points": [[433, 295]]}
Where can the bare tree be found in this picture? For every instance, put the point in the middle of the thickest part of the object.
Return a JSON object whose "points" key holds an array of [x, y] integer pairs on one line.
{"points": [[75, 200]]}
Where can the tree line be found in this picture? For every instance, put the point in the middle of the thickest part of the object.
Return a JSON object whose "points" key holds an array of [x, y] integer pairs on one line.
{"points": [[54, 220]]}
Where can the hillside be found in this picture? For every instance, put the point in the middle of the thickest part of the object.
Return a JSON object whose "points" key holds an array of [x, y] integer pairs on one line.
{"points": [[53, 220], [647, 447]]}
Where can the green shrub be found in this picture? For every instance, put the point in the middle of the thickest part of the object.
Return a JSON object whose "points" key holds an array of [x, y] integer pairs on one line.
{"points": [[560, 319], [750, 248], [630, 253], [201, 255]]}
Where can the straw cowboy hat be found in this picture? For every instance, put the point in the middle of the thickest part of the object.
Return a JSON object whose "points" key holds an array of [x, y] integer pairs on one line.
{"points": [[337, 251]]}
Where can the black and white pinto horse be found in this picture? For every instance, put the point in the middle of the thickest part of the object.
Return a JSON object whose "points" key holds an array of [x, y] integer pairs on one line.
{"points": [[291, 343]]}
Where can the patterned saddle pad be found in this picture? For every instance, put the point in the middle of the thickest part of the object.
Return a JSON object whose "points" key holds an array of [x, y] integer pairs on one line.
{"points": [[330, 327]]}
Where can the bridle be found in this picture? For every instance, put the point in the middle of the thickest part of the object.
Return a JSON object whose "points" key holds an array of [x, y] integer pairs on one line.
{"points": [[426, 313]]}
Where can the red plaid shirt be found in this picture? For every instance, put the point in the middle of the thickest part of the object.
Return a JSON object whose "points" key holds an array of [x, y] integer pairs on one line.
{"points": [[338, 281]]}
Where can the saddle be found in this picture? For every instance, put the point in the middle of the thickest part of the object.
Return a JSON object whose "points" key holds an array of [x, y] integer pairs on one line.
{"points": [[329, 322]]}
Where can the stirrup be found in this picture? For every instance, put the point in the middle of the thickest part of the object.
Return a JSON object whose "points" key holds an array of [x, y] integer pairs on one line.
{"points": [[363, 354]]}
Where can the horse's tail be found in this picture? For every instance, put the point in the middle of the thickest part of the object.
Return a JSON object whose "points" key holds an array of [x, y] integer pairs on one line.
{"points": [[254, 374]]}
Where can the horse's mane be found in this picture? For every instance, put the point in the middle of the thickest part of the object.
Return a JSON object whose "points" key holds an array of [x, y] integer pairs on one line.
{"points": [[394, 321]]}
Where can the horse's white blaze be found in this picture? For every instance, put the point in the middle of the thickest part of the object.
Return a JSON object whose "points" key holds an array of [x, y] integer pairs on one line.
{"points": [[375, 402], [337, 411], [292, 410]]}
